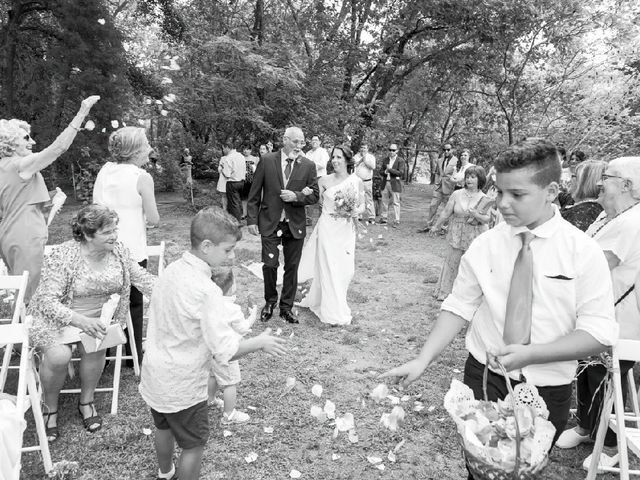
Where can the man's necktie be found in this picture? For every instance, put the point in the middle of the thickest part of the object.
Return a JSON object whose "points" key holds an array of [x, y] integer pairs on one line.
{"points": [[517, 322], [287, 169]]}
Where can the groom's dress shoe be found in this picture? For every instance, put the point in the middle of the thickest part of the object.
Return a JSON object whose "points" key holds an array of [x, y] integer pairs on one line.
{"points": [[288, 316], [267, 312]]}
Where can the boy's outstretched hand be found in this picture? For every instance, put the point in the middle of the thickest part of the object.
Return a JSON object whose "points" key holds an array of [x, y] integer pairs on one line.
{"points": [[274, 346], [407, 373]]}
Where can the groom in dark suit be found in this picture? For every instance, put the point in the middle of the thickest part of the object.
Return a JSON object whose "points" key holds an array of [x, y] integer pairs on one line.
{"points": [[284, 183]]}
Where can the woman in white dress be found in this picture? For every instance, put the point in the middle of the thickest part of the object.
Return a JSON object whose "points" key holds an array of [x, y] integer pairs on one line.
{"points": [[328, 256], [125, 187]]}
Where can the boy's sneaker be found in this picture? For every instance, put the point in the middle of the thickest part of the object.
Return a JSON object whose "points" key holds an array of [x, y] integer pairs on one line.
{"points": [[217, 402], [236, 416]]}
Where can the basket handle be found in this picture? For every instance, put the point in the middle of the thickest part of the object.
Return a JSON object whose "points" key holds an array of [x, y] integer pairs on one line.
{"points": [[503, 371]]}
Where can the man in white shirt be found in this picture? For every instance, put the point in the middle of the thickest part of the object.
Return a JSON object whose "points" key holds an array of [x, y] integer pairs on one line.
{"points": [[365, 164], [318, 155], [569, 313], [234, 168]]}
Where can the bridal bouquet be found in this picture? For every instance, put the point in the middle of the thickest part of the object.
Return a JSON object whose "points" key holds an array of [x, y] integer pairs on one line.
{"points": [[505, 439], [346, 204]]}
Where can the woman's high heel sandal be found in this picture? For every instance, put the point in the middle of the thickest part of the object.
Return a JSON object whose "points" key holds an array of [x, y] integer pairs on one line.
{"points": [[93, 423], [52, 432]]}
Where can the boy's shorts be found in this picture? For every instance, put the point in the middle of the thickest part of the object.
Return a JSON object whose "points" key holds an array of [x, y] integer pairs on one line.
{"points": [[226, 376], [190, 427]]}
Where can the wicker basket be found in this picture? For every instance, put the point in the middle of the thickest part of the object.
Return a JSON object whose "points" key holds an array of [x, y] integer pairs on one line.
{"points": [[482, 470]]}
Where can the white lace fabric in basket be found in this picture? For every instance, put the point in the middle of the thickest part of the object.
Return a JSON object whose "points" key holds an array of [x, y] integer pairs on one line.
{"points": [[477, 421]]}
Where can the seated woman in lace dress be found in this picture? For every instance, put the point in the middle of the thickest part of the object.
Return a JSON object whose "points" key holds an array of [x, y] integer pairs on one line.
{"points": [[78, 277]]}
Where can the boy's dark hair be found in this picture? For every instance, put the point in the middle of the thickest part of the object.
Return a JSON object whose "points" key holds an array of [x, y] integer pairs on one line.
{"points": [[479, 173], [536, 153], [213, 224]]}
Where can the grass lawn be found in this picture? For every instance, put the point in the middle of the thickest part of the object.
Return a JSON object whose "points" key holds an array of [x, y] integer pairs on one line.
{"points": [[393, 312]]}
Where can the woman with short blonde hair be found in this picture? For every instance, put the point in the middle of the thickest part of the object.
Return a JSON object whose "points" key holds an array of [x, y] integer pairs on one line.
{"points": [[125, 187], [23, 193]]}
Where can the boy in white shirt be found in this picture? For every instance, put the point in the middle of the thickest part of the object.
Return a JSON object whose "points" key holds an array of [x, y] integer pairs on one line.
{"points": [[188, 324], [535, 290]]}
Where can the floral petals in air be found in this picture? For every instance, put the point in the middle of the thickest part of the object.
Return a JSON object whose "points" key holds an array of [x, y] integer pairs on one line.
{"points": [[101, 21], [89, 126], [115, 124]]}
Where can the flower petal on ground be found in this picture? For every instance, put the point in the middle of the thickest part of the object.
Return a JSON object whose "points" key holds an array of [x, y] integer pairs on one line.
{"points": [[392, 456], [318, 414], [226, 433], [380, 466], [398, 446], [295, 474], [252, 457], [146, 431], [394, 400], [268, 429], [317, 390], [353, 436], [379, 393], [374, 460], [345, 422], [330, 409], [335, 456], [279, 332]]}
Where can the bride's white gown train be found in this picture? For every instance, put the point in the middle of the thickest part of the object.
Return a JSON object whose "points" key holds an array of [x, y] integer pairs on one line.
{"points": [[328, 258]]}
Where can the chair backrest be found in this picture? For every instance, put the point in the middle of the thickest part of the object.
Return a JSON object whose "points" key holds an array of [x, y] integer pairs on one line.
{"points": [[627, 350], [157, 251], [13, 334], [18, 283]]}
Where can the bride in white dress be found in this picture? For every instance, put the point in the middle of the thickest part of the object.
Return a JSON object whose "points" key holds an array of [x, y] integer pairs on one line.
{"points": [[328, 256]]}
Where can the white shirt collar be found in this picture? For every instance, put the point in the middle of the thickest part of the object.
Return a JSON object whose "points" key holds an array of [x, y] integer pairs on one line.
{"points": [[197, 263], [545, 230]]}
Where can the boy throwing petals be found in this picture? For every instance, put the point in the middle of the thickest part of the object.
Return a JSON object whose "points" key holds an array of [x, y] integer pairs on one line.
{"points": [[188, 324], [535, 290]]}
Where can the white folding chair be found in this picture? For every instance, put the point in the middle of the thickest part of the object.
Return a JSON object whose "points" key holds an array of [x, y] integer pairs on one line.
{"points": [[19, 284], [28, 394], [155, 251], [628, 437]]}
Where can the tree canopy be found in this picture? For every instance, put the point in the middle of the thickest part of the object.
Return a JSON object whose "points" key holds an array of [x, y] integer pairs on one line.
{"points": [[478, 74]]}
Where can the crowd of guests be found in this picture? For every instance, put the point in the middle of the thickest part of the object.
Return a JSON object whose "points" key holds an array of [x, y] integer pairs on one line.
{"points": [[382, 177]]}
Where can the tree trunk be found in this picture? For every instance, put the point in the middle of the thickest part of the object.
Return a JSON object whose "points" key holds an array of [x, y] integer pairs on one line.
{"points": [[257, 32], [9, 48]]}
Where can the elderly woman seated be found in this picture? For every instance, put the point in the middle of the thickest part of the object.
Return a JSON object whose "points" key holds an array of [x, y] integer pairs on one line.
{"points": [[78, 277]]}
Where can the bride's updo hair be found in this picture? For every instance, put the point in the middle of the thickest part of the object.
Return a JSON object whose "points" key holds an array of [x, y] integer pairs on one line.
{"points": [[348, 156]]}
